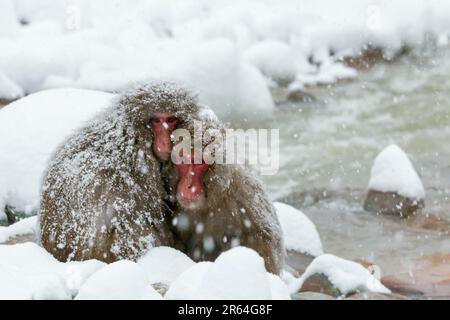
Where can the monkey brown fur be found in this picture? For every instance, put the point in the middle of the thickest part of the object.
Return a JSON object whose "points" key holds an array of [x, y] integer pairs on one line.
{"points": [[234, 210], [102, 197]]}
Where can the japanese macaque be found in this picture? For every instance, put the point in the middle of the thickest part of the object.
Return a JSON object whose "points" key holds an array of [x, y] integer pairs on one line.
{"points": [[220, 206], [103, 197]]}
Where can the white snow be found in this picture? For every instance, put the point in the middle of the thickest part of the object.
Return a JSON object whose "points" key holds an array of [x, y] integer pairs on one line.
{"points": [[238, 273], [30, 131], [27, 271], [164, 264], [345, 275], [122, 280], [9, 25], [216, 46], [9, 90], [392, 171], [275, 59], [299, 233], [27, 226]]}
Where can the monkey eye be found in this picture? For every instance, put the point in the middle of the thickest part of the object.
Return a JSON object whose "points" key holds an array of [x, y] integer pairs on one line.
{"points": [[155, 120], [171, 120]]}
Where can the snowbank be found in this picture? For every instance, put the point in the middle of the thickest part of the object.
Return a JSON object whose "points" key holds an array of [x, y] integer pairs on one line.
{"points": [[122, 280], [347, 276], [9, 90], [30, 131], [26, 226], [9, 25], [300, 234], [27, 271], [238, 273], [164, 264], [212, 45], [392, 171]]}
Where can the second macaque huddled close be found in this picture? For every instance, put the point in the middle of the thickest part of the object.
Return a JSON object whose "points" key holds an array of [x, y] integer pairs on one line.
{"points": [[112, 191]]}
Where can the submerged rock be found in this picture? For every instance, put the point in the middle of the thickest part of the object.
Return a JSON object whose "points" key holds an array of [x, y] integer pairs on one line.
{"points": [[428, 277], [311, 296], [298, 261], [284, 94], [376, 296], [394, 187], [300, 96]]}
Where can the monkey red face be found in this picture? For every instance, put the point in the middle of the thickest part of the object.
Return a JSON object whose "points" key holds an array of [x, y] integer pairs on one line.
{"points": [[191, 191], [163, 125]]}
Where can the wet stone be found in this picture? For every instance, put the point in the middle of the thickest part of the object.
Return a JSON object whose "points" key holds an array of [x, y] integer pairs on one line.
{"points": [[320, 283], [391, 203], [311, 296]]}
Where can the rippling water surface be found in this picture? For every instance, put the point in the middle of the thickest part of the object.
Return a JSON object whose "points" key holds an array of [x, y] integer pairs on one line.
{"points": [[328, 146]]}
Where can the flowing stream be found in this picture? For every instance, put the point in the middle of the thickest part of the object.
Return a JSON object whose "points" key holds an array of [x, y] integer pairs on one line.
{"points": [[328, 146]]}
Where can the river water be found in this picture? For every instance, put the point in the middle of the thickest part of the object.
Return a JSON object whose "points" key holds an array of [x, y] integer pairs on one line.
{"points": [[327, 148]]}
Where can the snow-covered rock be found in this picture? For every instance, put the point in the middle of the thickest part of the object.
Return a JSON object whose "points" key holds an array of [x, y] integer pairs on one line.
{"points": [[224, 82], [394, 187], [122, 280], [238, 273], [346, 276], [26, 226], [30, 131], [9, 90], [81, 44], [274, 59], [299, 233], [164, 264], [392, 171], [27, 271]]}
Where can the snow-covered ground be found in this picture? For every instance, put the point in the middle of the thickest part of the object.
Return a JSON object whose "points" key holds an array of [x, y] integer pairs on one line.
{"points": [[30, 131], [27, 271], [228, 52], [32, 273]]}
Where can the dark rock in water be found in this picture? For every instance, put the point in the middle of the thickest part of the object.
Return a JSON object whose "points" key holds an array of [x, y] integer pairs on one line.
{"points": [[283, 95], [320, 283], [370, 56], [376, 296], [391, 203], [10, 214], [4, 102], [300, 96], [311, 296], [298, 261], [307, 198]]}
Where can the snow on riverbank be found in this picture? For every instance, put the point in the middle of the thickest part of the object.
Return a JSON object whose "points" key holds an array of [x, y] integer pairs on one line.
{"points": [[225, 50], [300, 234], [23, 227], [30, 131], [29, 272]]}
